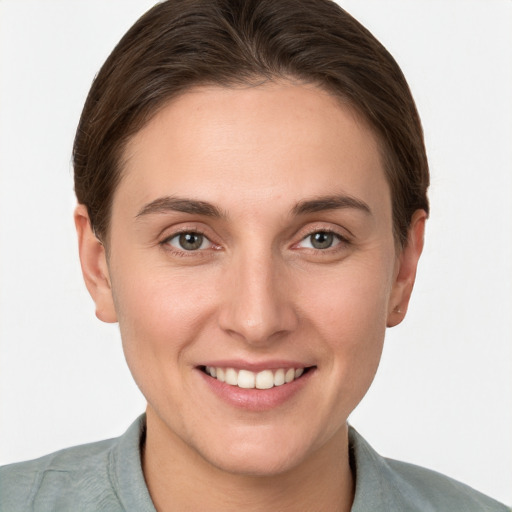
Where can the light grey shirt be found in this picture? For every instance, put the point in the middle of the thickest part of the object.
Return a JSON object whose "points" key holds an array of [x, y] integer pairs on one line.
{"points": [[107, 476]]}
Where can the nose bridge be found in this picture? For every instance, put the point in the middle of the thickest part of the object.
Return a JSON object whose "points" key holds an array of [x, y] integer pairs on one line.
{"points": [[258, 304]]}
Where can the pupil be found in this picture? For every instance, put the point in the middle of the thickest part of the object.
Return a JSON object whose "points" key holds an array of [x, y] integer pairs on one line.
{"points": [[191, 241], [322, 240]]}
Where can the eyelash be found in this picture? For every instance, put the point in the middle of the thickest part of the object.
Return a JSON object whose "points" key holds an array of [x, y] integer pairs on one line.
{"points": [[342, 241]]}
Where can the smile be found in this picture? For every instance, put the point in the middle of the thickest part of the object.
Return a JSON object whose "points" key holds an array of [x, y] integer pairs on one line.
{"points": [[247, 379]]}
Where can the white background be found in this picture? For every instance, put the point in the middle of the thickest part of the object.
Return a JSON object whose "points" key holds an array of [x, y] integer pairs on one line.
{"points": [[443, 395]]}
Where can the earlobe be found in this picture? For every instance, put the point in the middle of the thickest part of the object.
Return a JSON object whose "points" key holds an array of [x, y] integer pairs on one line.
{"points": [[94, 266], [406, 269]]}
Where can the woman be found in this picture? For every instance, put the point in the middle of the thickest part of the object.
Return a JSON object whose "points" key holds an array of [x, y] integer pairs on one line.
{"points": [[251, 180]]}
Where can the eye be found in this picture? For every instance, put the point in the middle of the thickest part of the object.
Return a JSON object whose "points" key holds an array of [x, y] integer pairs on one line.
{"points": [[321, 240], [189, 241]]}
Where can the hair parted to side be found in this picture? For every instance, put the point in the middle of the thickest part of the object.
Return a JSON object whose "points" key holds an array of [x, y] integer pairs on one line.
{"points": [[179, 44]]}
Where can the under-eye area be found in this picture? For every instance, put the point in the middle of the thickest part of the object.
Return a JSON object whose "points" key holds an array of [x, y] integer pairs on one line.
{"points": [[264, 379]]}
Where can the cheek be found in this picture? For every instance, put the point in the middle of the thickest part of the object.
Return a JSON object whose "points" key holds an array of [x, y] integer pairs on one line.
{"points": [[160, 314], [352, 299], [152, 297], [349, 313]]}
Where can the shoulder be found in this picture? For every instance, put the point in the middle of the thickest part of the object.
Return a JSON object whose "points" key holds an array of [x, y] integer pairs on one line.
{"points": [[63, 480], [387, 484], [103, 476], [440, 491]]}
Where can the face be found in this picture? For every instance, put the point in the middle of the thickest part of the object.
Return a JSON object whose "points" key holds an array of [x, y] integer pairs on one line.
{"points": [[252, 269]]}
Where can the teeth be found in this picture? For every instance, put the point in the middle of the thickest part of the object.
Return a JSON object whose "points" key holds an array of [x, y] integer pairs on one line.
{"points": [[290, 375], [246, 379], [265, 379], [231, 377], [279, 378]]}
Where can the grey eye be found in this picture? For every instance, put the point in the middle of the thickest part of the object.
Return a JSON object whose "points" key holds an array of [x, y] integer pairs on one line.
{"points": [[320, 240], [190, 241]]}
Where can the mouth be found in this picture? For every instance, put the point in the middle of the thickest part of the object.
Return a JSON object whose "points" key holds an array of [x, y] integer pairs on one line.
{"points": [[264, 379]]}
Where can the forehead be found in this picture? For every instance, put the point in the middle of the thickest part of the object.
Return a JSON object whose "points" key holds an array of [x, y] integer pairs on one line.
{"points": [[277, 140]]}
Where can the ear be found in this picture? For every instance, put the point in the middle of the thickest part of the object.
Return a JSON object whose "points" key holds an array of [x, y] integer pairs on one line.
{"points": [[405, 273], [94, 266]]}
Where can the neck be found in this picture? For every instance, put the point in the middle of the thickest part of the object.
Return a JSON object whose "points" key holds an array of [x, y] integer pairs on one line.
{"points": [[179, 478]]}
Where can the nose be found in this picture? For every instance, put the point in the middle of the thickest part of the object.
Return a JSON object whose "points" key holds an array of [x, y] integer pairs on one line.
{"points": [[258, 302]]}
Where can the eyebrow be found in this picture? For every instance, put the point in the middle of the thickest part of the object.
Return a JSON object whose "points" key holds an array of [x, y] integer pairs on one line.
{"points": [[178, 204], [335, 202], [196, 207]]}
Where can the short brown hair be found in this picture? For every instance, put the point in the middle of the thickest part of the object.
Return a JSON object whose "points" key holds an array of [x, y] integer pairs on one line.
{"points": [[179, 44]]}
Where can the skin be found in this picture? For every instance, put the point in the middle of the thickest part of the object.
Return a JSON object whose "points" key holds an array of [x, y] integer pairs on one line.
{"points": [[257, 290]]}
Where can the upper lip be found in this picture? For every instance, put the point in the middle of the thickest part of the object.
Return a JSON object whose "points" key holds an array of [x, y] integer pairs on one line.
{"points": [[256, 366]]}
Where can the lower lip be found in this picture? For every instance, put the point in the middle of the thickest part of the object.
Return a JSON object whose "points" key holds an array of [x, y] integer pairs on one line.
{"points": [[257, 399]]}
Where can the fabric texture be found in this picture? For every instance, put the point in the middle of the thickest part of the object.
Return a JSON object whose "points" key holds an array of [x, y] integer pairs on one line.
{"points": [[107, 476]]}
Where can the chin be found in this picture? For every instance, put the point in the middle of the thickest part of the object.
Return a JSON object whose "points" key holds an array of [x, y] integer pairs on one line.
{"points": [[256, 463], [263, 454]]}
